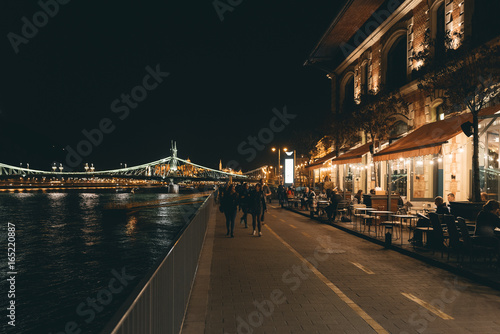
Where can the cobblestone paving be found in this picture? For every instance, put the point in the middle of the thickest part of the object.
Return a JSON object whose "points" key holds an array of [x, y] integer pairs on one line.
{"points": [[260, 285]]}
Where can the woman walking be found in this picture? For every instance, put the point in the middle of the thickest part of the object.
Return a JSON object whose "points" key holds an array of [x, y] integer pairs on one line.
{"points": [[256, 207], [244, 198], [230, 207]]}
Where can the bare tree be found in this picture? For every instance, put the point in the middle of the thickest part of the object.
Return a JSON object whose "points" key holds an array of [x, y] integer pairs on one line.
{"points": [[469, 76], [376, 113]]}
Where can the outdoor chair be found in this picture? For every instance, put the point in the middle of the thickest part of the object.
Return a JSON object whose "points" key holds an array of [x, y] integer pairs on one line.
{"points": [[437, 237], [476, 245], [454, 243], [342, 209]]}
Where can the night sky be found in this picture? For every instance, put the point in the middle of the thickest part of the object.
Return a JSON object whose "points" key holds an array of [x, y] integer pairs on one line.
{"points": [[225, 78]]}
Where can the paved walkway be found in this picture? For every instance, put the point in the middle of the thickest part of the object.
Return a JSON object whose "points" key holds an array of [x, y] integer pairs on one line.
{"points": [[265, 284]]}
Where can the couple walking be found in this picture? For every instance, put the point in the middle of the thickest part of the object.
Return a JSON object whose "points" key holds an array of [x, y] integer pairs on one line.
{"points": [[252, 202]]}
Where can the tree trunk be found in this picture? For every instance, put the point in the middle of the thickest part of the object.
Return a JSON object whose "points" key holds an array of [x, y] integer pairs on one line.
{"points": [[337, 177], [375, 169], [476, 190]]}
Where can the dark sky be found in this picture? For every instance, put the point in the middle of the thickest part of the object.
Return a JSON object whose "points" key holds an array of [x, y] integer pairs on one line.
{"points": [[225, 78]]}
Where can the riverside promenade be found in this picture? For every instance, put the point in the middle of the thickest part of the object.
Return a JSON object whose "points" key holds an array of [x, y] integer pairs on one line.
{"points": [[306, 277]]}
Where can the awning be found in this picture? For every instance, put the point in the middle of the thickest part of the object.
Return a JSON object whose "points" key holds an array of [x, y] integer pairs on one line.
{"points": [[321, 161], [352, 156], [429, 138]]}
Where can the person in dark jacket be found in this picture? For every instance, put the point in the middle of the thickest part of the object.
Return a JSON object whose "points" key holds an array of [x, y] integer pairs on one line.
{"points": [[367, 199], [441, 208], [256, 206], [331, 210], [230, 207], [281, 194], [244, 199], [424, 221], [487, 219]]}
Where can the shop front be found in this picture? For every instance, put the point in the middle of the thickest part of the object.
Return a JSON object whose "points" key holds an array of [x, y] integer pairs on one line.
{"points": [[436, 159]]}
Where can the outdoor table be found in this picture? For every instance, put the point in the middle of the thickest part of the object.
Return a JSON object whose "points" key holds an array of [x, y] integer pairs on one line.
{"points": [[423, 210], [363, 209], [401, 217], [378, 212], [425, 230]]}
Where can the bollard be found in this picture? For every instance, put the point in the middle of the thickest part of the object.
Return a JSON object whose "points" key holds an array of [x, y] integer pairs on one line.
{"points": [[388, 239]]}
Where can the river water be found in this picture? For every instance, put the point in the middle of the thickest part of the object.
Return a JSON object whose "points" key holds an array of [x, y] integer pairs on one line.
{"points": [[76, 266]]}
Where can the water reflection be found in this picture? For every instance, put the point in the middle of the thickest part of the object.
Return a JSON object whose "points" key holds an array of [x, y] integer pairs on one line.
{"points": [[131, 225], [67, 251]]}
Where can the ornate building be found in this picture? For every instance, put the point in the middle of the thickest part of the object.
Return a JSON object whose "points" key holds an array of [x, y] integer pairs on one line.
{"points": [[369, 46]]}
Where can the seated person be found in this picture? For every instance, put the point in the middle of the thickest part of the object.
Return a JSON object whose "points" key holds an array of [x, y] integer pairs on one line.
{"points": [[484, 197], [367, 199], [331, 210], [487, 219], [424, 221], [451, 198], [441, 208], [358, 198]]}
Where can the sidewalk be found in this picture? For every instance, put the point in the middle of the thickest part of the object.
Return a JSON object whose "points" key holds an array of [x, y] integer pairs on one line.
{"points": [[250, 284], [484, 272]]}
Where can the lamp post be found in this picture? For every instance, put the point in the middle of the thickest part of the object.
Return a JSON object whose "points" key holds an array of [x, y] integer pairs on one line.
{"points": [[278, 169]]}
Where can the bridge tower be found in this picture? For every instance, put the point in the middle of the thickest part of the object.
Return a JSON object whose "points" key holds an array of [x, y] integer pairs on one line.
{"points": [[173, 154], [173, 188]]}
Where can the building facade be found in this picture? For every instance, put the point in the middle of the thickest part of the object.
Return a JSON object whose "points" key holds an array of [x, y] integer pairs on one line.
{"points": [[369, 45]]}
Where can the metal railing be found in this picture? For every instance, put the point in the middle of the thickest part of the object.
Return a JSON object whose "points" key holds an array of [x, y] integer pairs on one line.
{"points": [[159, 302]]}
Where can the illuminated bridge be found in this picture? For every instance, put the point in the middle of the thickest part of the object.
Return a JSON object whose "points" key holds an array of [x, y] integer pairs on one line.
{"points": [[171, 168]]}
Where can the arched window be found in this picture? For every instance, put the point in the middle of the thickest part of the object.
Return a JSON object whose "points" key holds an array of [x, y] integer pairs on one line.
{"points": [[398, 128], [437, 112], [364, 78], [440, 29], [396, 74], [348, 92]]}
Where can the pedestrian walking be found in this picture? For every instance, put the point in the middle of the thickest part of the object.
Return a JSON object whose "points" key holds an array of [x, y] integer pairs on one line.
{"points": [[281, 194], [230, 207], [267, 195], [256, 207], [243, 201]]}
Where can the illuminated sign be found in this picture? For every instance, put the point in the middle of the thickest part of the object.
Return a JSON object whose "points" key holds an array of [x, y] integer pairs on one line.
{"points": [[289, 168]]}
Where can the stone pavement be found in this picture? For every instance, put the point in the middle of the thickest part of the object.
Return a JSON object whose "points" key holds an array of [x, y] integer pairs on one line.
{"points": [[250, 284]]}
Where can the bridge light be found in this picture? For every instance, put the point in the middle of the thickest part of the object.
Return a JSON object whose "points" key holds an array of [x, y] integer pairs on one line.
{"points": [[273, 149]]}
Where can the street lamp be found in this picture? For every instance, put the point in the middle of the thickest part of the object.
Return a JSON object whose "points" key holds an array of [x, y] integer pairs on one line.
{"points": [[278, 168]]}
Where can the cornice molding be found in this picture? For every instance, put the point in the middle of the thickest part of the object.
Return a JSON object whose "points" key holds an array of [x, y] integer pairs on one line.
{"points": [[378, 33]]}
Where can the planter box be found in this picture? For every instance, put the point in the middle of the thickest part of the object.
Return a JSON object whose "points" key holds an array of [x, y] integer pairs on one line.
{"points": [[467, 210]]}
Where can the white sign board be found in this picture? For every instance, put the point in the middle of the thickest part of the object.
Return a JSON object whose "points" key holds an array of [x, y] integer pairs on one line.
{"points": [[289, 171]]}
